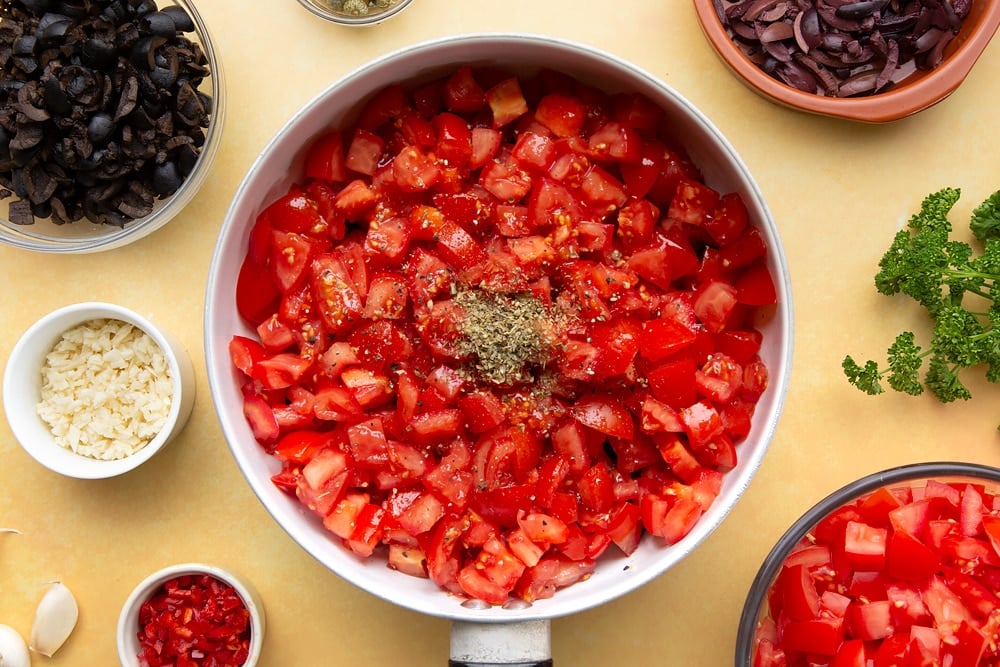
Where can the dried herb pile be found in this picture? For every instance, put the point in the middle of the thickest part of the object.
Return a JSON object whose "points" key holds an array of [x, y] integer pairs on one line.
{"points": [[100, 108]]}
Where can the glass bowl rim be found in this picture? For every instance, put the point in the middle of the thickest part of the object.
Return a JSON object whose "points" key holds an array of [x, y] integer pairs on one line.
{"points": [[344, 19], [775, 558], [166, 209]]}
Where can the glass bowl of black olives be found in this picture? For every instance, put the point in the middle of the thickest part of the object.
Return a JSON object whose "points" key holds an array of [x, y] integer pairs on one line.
{"points": [[355, 12], [111, 115]]}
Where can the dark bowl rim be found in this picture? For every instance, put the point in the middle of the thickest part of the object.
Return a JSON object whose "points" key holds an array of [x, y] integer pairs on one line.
{"points": [[776, 556]]}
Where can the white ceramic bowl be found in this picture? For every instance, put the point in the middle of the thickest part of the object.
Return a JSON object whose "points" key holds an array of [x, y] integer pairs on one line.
{"points": [[22, 382], [128, 619], [84, 236], [280, 165]]}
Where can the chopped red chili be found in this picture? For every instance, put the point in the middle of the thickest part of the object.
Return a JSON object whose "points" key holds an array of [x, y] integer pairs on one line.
{"points": [[194, 620]]}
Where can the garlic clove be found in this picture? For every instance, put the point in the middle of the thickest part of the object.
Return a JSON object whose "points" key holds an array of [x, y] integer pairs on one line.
{"points": [[10, 530], [13, 650], [55, 619]]}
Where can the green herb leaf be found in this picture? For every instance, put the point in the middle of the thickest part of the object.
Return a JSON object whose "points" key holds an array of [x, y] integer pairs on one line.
{"points": [[986, 218], [905, 359], [866, 378], [953, 284]]}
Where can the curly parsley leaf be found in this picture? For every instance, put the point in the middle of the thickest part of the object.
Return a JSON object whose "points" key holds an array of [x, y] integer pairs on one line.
{"points": [[952, 282], [985, 222]]}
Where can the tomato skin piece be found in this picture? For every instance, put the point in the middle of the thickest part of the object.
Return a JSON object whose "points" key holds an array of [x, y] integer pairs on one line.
{"points": [[729, 219], [991, 525], [462, 93], [257, 295], [616, 142], [325, 158], [679, 519], [909, 559], [702, 422], [562, 114], [821, 636], [850, 654], [505, 179], [870, 621], [865, 546], [604, 414], [354, 199], [245, 353], [261, 419], [596, 489], [454, 139], [715, 305], [550, 574], [755, 286], [365, 152], [693, 202], [291, 254], [414, 170], [458, 247], [485, 144], [335, 292], [673, 382], [799, 599]]}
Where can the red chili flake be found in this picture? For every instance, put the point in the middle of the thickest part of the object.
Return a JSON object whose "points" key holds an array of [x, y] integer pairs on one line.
{"points": [[194, 621]]}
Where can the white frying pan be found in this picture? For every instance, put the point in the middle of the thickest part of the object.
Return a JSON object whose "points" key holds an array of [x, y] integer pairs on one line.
{"points": [[517, 634]]}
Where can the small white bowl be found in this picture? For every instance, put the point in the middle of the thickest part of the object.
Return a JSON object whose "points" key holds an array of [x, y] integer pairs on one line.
{"points": [[22, 383], [128, 620]]}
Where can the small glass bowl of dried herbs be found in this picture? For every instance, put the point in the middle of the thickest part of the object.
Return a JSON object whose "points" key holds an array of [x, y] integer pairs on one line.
{"points": [[864, 60], [355, 12], [111, 115]]}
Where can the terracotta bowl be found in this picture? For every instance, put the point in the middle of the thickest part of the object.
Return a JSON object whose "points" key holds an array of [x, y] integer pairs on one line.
{"points": [[917, 92]]}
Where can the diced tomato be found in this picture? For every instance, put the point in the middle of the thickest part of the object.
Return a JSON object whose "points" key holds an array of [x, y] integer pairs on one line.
{"points": [[325, 158], [506, 101], [399, 411], [354, 199], [414, 170], [604, 414], [616, 141], [693, 203], [563, 115], [335, 292], [534, 150], [365, 152], [505, 179], [715, 304], [485, 144], [673, 382], [865, 546], [462, 93], [261, 419]]}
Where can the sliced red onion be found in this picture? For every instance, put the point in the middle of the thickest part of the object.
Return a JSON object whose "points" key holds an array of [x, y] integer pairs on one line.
{"points": [[843, 47]]}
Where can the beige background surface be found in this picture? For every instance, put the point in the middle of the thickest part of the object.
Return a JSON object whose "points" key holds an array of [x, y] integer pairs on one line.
{"points": [[838, 190]]}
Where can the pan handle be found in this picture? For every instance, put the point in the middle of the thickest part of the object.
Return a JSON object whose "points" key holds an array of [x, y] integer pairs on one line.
{"points": [[518, 644]]}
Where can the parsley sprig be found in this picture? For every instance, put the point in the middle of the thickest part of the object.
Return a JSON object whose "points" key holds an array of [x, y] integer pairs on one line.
{"points": [[959, 289]]}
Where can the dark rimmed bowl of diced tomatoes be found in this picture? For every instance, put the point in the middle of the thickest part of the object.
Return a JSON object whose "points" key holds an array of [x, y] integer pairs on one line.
{"points": [[498, 327], [900, 567]]}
